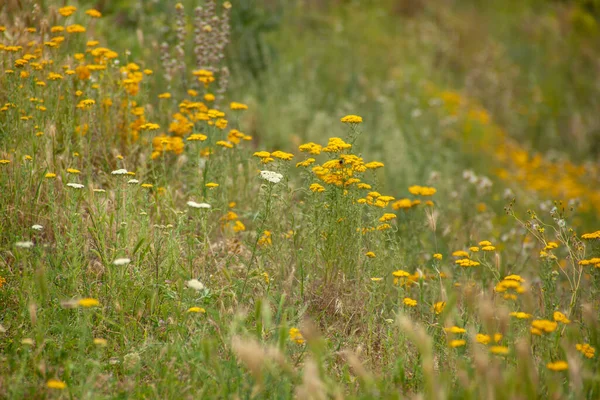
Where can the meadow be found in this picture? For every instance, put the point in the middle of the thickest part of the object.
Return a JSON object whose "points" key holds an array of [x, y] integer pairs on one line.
{"points": [[313, 200]]}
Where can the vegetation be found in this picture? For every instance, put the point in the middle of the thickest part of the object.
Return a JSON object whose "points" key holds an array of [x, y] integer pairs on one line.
{"points": [[351, 200]]}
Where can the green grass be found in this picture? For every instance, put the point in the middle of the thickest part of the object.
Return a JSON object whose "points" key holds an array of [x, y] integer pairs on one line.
{"points": [[470, 100]]}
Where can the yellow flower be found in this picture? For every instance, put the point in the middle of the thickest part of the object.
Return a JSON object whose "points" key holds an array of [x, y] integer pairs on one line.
{"points": [[67, 11], [485, 243], [315, 187], [439, 307], [282, 155], [585, 349], [211, 185], [409, 302], [520, 315], [503, 350], [4, 161], [543, 325], [457, 343], [197, 137], [165, 95], [482, 338], [558, 366], [50, 175], [94, 13], [455, 329], [437, 256], [460, 253], [474, 249], [88, 302], [73, 171], [147, 185], [100, 342], [488, 248], [75, 28], [296, 336], [351, 119], [370, 254], [265, 240], [55, 383], [560, 317], [387, 217], [422, 190], [196, 310], [209, 97], [239, 226], [238, 106]]}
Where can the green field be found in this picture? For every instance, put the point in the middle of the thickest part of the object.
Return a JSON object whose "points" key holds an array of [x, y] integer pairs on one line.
{"points": [[300, 199]]}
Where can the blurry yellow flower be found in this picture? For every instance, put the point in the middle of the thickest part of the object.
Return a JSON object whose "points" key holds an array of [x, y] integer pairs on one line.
{"points": [[370, 254], [55, 383], [543, 325], [196, 310], [238, 106], [503, 350], [558, 366], [73, 171], [439, 307], [457, 343], [67, 11], [211, 185], [50, 175], [75, 28], [296, 336], [585, 349], [488, 248], [560, 317], [88, 302], [455, 329], [100, 342], [94, 13], [482, 338], [409, 302], [437, 256]]}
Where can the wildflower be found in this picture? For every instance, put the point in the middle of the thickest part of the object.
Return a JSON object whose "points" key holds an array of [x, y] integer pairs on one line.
{"points": [[439, 307], [560, 317], [296, 336], [147, 185], [193, 204], [520, 315], [94, 13], [75, 185], [73, 171], [121, 171], [422, 190], [474, 249], [457, 343], [488, 248], [271, 176], [238, 106], [209, 97], [165, 95], [402, 204], [455, 329], [37, 227], [121, 261], [55, 383], [100, 342], [558, 366], [409, 302], [24, 245], [133, 182], [543, 325], [282, 155], [460, 253], [75, 28], [239, 226], [590, 236], [482, 338], [88, 302], [376, 279], [387, 217], [437, 256], [315, 187], [67, 11], [196, 310], [27, 341], [502, 350], [195, 284], [370, 254], [197, 137], [585, 349], [351, 119], [485, 243], [265, 239], [211, 185]]}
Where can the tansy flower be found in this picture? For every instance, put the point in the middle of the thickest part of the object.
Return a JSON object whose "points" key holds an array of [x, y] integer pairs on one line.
{"points": [[370, 254], [147, 185], [73, 171], [484, 243], [100, 342], [542, 325], [455, 329], [88, 302], [585, 349], [520, 315], [238, 106], [560, 317], [67, 11], [488, 248], [437, 256], [94, 13], [196, 310], [409, 302], [387, 217], [482, 338], [502, 350], [121, 261], [55, 383], [211, 185], [296, 336], [351, 119], [439, 307], [457, 343], [558, 366]]}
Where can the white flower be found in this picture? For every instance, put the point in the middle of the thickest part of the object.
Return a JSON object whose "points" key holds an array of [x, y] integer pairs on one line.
{"points": [[195, 284], [133, 181], [121, 261], [37, 227], [99, 190], [121, 171], [76, 185], [273, 177], [24, 245], [193, 204]]}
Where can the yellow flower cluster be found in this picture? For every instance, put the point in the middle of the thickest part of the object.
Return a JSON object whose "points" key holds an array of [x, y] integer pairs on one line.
{"points": [[585, 349], [422, 190]]}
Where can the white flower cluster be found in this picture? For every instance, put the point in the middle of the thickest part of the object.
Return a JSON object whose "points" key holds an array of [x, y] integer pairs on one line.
{"points": [[271, 176], [193, 204], [121, 171], [75, 185]]}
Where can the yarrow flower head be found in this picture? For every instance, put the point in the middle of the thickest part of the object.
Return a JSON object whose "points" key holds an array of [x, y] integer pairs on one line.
{"points": [[121, 261], [271, 176], [195, 284], [351, 119], [75, 185], [121, 171], [24, 245], [193, 204], [37, 227]]}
